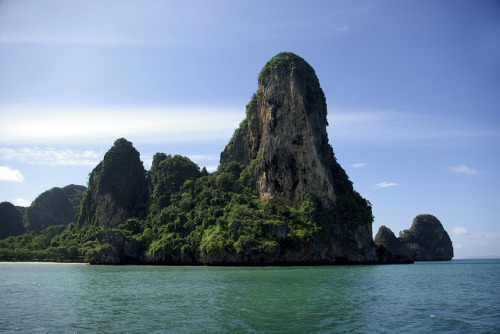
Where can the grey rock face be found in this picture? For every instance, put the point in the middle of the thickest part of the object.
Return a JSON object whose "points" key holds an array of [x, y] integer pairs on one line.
{"points": [[285, 130], [284, 137], [427, 240], [117, 188]]}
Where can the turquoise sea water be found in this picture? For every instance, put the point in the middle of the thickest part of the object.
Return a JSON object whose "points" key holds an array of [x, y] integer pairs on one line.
{"points": [[461, 296]]}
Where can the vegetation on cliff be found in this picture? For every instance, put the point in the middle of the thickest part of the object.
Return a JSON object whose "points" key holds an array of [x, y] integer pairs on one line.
{"points": [[57, 206], [117, 188], [426, 240], [278, 196]]}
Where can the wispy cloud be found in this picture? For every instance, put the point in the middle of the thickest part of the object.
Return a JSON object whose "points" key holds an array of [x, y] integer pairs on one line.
{"points": [[21, 202], [51, 156], [9, 174], [460, 231], [475, 244], [384, 185], [205, 157], [212, 168], [169, 123], [462, 169], [397, 127], [78, 39], [360, 164]]}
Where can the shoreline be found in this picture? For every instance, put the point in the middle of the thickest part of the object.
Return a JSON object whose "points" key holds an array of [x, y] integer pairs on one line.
{"points": [[42, 262]]}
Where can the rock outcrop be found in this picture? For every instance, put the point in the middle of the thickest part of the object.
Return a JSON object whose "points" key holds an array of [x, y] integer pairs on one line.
{"points": [[57, 206], [117, 188], [285, 130], [426, 240], [11, 221], [284, 137], [168, 173], [389, 248]]}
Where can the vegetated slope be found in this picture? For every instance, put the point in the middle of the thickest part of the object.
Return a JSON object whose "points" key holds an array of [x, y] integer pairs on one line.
{"points": [[278, 196], [56, 206]]}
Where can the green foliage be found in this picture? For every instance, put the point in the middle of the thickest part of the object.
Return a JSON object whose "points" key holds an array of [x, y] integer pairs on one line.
{"points": [[56, 206], [428, 232], [283, 60], [167, 175], [120, 175], [55, 243], [102, 254], [207, 218]]}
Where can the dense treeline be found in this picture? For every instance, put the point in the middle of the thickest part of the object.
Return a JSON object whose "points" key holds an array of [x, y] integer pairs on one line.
{"points": [[191, 215]]}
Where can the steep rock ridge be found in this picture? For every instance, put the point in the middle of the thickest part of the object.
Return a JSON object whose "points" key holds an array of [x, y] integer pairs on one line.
{"points": [[284, 138], [56, 206], [117, 188], [389, 248], [11, 221], [426, 240], [285, 129]]}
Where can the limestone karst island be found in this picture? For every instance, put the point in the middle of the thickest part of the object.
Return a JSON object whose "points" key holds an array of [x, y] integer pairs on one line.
{"points": [[278, 197]]}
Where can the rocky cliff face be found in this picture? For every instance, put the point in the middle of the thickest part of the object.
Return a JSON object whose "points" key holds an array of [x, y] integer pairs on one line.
{"points": [[285, 130], [57, 206], [389, 248], [11, 221], [117, 188], [308, 212], [426, 240], [284, 136]]}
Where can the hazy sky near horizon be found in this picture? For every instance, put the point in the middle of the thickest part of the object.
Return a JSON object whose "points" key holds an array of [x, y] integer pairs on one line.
{"points": [[412, 90]]}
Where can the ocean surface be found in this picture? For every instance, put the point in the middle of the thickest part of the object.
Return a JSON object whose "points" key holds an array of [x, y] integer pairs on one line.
{"points": [[460, 296]]}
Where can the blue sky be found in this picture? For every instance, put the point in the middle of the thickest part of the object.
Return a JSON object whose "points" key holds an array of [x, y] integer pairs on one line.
{"points": [[412, 90]]}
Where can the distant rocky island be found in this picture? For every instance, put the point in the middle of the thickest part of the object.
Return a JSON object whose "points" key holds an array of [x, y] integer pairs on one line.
{"points": [[426, 240], [278, 197]]}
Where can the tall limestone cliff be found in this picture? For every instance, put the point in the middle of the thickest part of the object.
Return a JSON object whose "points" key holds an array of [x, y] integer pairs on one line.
{"points": [[117, 188], [284, 135], [285, 129]]}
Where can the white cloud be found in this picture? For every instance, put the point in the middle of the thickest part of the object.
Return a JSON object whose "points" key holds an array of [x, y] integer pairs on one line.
{"points": [[9, 174], [479, 244], [51, 156], [397, 127], [360, 164], [78, 39], [463, 169], [384, 185], [211, 169], [170, 123], [204, 157], [21, 202], [460, 231]]}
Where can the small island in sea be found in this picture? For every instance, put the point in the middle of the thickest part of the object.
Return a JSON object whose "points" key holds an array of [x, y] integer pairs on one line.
{"points": [[278, 197]]}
